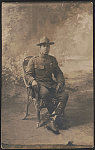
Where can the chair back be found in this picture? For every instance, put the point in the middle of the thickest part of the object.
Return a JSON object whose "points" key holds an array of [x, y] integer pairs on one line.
{"points": [[24, 65], [25, 62]]}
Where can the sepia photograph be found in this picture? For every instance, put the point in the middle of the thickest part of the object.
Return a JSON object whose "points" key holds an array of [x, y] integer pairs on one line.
{"points": [[47, 75]]}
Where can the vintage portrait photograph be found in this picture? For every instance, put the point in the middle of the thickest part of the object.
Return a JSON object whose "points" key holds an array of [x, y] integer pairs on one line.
{"points": [[47, 75]]}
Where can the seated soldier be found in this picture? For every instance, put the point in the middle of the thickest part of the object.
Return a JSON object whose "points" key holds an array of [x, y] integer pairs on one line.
{"points": [[42, 70]]}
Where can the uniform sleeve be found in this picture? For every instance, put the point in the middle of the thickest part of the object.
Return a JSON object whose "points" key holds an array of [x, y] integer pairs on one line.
{"points": [[58, 74], [30, 71]]}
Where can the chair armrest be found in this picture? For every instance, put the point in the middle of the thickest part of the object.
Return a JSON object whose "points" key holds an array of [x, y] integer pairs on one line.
{"points": [[27, 85]]}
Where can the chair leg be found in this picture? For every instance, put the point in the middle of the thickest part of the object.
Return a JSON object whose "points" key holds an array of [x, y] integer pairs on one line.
{"points": [[36, 91], [27, 109], [28, 103], [38, 116]]}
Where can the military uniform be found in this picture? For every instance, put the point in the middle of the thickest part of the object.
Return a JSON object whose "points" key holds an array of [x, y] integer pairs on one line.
{"points": [[46, 72]]}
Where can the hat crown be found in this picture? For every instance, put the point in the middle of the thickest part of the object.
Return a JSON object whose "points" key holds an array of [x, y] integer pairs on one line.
{"points": [[44, 40]]}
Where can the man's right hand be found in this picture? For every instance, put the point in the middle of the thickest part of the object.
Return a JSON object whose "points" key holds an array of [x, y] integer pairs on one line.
{"points": [[34, 83]]}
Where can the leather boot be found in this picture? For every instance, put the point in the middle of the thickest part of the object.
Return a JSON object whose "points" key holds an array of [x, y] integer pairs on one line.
{"points": [[52, 126]]}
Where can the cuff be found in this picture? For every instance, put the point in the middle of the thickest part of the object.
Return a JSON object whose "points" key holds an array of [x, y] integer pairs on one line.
{"points": [[31, 79]]}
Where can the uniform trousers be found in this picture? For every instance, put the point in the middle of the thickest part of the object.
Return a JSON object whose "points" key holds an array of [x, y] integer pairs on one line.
{"points": [[48, 94]]}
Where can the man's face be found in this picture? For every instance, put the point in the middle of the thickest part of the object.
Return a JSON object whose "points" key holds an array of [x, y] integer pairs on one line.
{"points": [[45, 48]]}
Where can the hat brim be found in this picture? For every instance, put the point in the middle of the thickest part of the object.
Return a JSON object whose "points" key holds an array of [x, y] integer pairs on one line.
{"points": [[50, 43]]}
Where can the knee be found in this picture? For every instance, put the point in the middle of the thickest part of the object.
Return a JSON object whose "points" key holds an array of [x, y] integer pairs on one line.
{"points": [[43, 92]]}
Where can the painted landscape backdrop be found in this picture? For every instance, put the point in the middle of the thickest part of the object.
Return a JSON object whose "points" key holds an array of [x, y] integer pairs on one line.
{"points": [[70, 26]]}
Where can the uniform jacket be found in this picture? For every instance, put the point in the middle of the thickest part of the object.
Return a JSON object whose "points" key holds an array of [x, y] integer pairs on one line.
{"points": [[45, 71]]}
